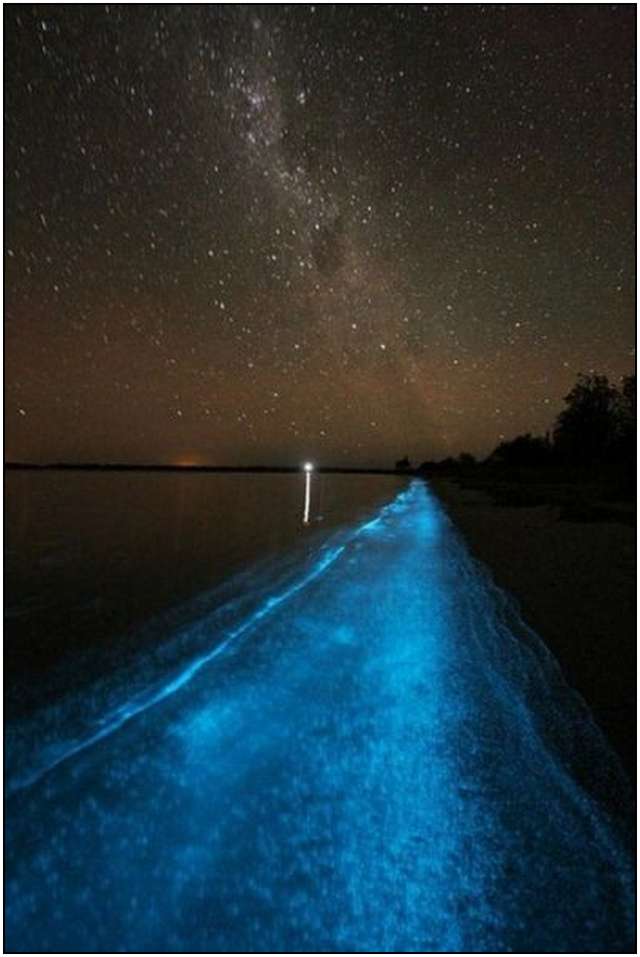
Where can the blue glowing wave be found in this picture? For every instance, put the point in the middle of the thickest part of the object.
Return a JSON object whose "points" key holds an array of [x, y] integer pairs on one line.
{"points": [[55, 753], [393, 763]]}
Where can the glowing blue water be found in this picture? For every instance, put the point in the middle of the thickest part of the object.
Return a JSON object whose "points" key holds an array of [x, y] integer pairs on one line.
{"points": [[378, 757]]}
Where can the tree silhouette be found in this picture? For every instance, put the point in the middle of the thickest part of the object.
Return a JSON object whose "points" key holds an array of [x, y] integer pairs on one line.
{"points": [[627, 417], [586, 432], [523, 451]]}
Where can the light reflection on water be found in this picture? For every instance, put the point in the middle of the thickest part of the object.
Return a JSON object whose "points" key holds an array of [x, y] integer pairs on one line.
{"points": [[387, 759], [90, 557]]}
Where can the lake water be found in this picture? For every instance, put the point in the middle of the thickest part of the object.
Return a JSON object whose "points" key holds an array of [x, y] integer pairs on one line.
{"points": [[339, 738], [101, 566]]}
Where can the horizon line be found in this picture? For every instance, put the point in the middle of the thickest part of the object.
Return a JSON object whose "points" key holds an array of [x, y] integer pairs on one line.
{"points": [[173, 467]]}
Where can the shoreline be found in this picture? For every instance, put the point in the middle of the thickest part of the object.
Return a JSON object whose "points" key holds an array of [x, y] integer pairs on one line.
{"points": [[575, 585]]}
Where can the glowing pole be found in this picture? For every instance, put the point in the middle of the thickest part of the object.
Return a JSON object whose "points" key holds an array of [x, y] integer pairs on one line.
{"points": [[308, 469]]}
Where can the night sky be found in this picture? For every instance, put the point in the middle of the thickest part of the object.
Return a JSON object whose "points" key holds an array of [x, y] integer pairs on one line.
{"points": [[255, 234]]}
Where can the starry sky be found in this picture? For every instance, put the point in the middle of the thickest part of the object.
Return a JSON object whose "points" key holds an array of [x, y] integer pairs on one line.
{"points": [[241, 234]]}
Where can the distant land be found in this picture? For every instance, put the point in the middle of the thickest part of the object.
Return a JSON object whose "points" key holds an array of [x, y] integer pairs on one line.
{"points": [[122, 467]]}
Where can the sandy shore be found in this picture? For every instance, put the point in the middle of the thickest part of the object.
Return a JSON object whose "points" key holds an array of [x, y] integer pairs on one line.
{"points": [[575, 584]]}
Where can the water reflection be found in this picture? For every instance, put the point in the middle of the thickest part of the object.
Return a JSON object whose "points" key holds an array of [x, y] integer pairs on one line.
{"points": [[380, 758], [91, 556], [308, 469]]}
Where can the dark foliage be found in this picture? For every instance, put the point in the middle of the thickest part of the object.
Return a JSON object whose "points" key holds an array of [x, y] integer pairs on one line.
{"points": [[588, 430], [526, 451], [590, 459], [597, 427]]}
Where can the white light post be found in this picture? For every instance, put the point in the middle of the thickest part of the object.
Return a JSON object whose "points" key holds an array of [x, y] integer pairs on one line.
{"points": [[308, 469]]}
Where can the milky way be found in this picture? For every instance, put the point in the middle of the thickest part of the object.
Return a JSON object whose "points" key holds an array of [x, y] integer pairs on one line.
{"points": [[253, 234]]}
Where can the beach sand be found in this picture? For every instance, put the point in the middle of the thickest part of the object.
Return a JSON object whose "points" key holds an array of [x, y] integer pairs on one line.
{"points": [[575, 585]]}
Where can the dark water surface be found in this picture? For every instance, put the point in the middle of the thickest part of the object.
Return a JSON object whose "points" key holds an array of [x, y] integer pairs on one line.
{"points": [[362, 749], [91, 557]]}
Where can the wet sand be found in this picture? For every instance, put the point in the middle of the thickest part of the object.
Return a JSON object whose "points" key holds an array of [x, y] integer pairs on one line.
{"points": [[575, 584]]}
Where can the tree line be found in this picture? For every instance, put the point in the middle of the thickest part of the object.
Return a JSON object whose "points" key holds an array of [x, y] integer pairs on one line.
{"points": [[596, 428]]}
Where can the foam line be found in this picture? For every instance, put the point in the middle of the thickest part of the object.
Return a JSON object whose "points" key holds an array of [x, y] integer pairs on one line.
{"points": [[148, 699]]}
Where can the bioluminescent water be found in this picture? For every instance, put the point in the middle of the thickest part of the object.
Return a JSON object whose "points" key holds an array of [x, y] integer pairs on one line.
{"points": [[369, 751]]}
